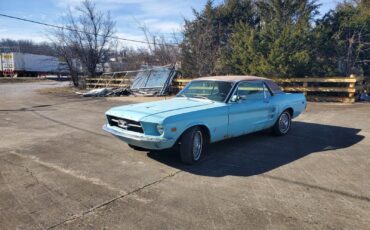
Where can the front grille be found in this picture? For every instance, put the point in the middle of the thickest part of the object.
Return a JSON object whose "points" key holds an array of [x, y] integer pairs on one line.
{"points": [[125, 124]]}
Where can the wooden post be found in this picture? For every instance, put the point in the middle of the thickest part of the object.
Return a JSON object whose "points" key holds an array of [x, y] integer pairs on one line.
{"points": [[352, 86], [305, 84]]}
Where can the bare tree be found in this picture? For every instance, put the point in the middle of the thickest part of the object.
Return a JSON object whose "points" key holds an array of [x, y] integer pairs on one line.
{"points": [[163, 51], [68, 52], [85, 37]]}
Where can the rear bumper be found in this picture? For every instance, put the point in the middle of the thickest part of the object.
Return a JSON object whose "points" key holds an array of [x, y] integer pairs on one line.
{"points": [[139, 139]]}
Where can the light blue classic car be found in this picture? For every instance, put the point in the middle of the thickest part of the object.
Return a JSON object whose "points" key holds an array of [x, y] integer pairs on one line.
{"points": [[207, 110]]}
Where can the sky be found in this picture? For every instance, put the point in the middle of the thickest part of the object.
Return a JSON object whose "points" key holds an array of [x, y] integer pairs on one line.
{"points": [[161, 17]]}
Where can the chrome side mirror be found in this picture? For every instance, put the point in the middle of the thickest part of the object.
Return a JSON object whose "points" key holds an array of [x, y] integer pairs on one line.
{"points": [[235, 98]]}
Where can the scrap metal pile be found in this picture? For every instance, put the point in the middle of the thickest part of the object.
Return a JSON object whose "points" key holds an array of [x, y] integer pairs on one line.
{"points": [[147, 82], [107, 92]]}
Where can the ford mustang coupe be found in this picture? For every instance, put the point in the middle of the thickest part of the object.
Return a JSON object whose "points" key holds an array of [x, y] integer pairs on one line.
{"points": [[207, 110]]}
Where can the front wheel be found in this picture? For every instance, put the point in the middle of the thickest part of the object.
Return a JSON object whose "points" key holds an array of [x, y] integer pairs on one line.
{"points": [[282, 125], [192, 145]]}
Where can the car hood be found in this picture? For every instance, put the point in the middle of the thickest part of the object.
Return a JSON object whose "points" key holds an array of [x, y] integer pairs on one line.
{"points": [[138, 112]]}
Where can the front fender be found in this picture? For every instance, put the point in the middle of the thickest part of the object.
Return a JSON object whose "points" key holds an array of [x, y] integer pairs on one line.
{"points": [[196, 123], [214, 119], [188, 126]]}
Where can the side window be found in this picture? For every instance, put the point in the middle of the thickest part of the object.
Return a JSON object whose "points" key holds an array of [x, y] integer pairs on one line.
{"points": [[251, 90]]}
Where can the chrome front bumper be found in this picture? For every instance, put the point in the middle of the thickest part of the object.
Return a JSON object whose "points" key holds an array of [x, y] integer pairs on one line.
{"points": [[140, 139]]}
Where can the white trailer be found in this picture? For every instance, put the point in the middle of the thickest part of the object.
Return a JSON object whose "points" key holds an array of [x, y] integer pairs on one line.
{"points": [[14, 64], [1, 64]]}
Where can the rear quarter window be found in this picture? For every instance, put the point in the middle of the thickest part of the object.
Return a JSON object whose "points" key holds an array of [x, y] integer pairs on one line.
{"points": [[251, 90]]}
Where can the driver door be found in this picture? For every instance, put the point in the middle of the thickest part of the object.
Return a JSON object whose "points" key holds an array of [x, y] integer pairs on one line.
{"points": [[248, 110]]}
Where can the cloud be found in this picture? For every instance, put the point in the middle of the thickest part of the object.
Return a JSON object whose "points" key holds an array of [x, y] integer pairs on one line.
{"points": [[166, 13], [67, 3], [36, 37], [22, 31], [162, 17], [157, 25], [137, 37]]}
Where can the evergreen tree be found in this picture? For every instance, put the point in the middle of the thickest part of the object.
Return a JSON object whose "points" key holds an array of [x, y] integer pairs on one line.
{"points": [[343, 40], [207, 35], [280, 45], [278, 38]]}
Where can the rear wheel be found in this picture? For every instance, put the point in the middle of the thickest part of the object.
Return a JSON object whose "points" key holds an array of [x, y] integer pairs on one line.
{"points": [[192, 145], [282, 125]]}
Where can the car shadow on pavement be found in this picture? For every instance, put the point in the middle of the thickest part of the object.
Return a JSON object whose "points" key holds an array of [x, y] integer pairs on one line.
{"points": [[261, 152]]}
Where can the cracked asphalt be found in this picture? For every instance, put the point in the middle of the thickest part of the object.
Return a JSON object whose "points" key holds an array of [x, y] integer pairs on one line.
{"points": [[59, 170]]}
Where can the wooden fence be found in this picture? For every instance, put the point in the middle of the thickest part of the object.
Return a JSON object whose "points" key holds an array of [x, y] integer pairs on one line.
{"points": [[334, 89], [101, 82]]}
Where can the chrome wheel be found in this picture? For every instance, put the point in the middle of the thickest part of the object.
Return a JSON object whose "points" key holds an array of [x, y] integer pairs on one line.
{"points": [[284, 122], [197, 145]]}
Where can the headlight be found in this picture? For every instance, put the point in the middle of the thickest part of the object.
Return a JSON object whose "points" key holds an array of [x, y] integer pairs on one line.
{"points": [[160, 129]]}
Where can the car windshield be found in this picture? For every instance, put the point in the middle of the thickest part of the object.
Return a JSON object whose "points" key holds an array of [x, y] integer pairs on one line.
{"points": [[212, 90]]}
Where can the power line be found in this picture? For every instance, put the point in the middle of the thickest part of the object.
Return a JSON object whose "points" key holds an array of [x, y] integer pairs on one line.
{"points": [[79, 31]]}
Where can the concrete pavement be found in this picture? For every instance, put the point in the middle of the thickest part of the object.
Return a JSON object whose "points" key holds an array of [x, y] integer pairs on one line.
{"points": [[59, 170]]}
